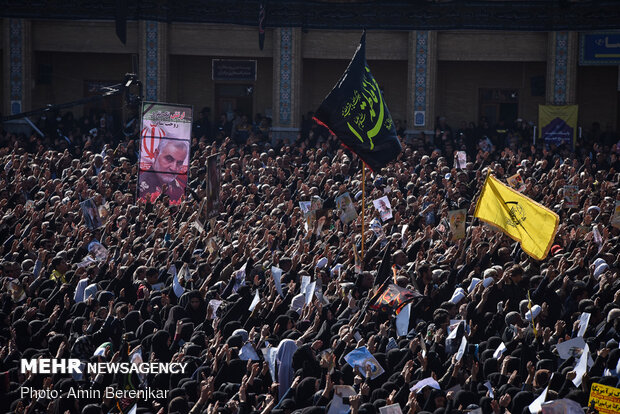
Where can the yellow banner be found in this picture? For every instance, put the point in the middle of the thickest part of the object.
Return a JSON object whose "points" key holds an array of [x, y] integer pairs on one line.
{"points": [[606, 399], [520, 217], [558, 124]]}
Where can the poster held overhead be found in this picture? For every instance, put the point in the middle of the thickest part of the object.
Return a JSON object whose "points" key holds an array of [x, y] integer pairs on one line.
{"points": [[384, 208], [165, 143], [346, 210], [91, 214], [457, 220]]}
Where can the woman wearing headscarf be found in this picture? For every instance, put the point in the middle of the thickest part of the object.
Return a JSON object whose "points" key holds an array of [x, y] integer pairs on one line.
{"points": [[78, 326], [160, 346], [146, 328], [176, 313], [196, 307], [132, 321], [284, 359]]}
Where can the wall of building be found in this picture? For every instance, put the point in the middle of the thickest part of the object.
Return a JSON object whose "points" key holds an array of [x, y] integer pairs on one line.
{"points": [[320, 76], [69, 71], [458, 85], [332, 44], [82, 36], [2, 69], [597, 95], [492, 46], [80, 50], [217, 40], [190, 82]]}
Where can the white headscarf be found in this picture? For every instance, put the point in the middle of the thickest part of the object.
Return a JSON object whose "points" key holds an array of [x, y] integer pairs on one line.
{"points": [[284, 358]]}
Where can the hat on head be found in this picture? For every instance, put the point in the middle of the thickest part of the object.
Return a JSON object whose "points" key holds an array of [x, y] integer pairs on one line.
{"points": [[512, 318], [321, 263], [488, 282], [600, 269], [458, 295], [473, 284], [336, 268], [556, 249], [536, 309], [598, 261], [298, 302]]}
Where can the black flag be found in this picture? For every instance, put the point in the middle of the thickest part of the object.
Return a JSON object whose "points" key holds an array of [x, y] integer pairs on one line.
{"points": [[121, 20], [261, 25], [356, 113]]}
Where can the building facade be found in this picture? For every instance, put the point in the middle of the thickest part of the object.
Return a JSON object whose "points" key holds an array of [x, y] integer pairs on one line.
{"points": [[462, 75]]}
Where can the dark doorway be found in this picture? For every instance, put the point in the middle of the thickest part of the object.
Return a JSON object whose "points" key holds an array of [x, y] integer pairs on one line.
{"points": [[499, 104], [231, 98]]}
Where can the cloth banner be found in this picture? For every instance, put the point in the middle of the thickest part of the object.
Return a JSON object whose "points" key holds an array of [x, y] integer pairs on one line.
{"points": [[356, 113], [558, 124]]}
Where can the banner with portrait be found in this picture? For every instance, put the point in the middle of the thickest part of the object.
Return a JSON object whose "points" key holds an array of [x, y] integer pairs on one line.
{"points": [[213, 186], [165, 146]]}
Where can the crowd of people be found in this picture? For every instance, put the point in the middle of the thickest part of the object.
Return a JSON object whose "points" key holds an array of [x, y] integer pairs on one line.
{"points": [[103, 294]]}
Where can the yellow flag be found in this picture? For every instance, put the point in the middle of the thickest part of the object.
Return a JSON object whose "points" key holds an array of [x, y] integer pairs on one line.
{"points": [[520, 217]]}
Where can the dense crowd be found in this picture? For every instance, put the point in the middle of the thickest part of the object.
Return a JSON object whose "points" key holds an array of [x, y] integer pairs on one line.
{"points": [[100, 295]]}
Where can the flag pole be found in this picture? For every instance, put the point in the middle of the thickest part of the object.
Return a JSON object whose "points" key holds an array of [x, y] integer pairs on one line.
{"points": [[529, 305], [363, 209]]}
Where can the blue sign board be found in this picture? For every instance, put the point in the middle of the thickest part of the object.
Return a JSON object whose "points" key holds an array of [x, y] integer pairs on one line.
{"points": [[599, 49]]}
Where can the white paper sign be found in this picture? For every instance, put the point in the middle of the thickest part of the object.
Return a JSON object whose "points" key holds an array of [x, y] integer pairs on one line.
{"points": [[426, 382], [254, 302], [490, 388], [402, 320], [536, 405], [499, 351], [214, 304], [461, 351], [340, 392], [582, 366], [248, 352], [305, 281], [276, 273], [570, 348], [270, 356], [584, 320], [309, 293], [390, 409]]}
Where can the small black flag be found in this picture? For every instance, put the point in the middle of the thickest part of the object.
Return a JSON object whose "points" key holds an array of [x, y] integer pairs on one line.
{"points": [[121, 20], [261, 25], [356, 113]]}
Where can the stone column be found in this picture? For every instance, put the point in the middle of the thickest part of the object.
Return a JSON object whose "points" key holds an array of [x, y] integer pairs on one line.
{"points": [[286, 121], [17, 49], [562, 55], [153, 57], [421, 81]]}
